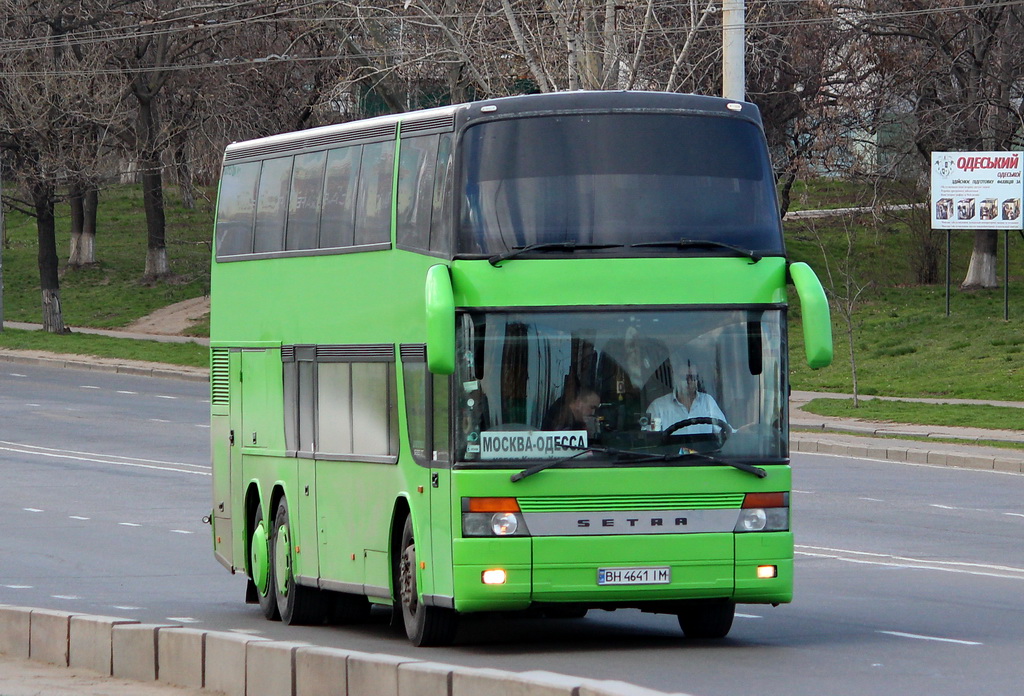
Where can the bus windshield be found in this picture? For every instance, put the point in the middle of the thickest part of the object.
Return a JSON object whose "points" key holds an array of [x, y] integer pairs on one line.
{"points": [[616, 179], [537, 385]]}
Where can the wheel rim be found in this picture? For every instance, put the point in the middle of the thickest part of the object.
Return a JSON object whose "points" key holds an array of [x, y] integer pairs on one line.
{"points": [[282, 559], [259, 557]]}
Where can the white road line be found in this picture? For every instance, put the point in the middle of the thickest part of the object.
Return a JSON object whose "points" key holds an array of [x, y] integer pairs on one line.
{"points": [[126, 392], [112, 459], [31, 509], [65, 596], [900, 634], [18, 587], [126, 608], [1013, 514], [129, 524], [203, 425], [16, 374], [181, 531], [87, 386], [748, 616], [184, 619], [892, 561], [158, 420], [161, 396], [872, 500], [78, 517]]}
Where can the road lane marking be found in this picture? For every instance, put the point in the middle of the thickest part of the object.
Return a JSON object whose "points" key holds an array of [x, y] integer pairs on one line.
{"points": [[161, 396], [31, 509], [18, 587], [65, 596], [78, 517], [748, 616], [126, 392], [181, 531], [893, 561], [16, 374], [111, 459], [183, 619], [900, 634], [129, 524], [126, 608]]}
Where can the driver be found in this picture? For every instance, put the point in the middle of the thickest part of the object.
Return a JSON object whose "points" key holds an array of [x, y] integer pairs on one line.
{"points": [[687, 400]]}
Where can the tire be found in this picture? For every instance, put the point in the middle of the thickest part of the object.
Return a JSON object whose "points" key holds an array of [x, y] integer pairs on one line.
{"points": [[261, 567], [710, 620], [424, 625], [297, 605]]}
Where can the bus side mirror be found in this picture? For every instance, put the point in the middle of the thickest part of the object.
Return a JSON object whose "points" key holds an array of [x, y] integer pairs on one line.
{"points": [[440, 301], [817, 319]]}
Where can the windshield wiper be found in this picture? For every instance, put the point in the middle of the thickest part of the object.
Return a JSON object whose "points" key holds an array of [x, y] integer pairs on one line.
{"points": [[703, 244], [742, 466], [546, 246], [537, 468]]}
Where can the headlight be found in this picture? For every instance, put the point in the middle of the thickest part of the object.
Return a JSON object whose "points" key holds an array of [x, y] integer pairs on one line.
{"points": [[764, 512], [491, 517]]}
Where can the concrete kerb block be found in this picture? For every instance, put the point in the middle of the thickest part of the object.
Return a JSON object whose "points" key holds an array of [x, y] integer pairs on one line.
{"points": [[15, 630], [49, 636], [270, 668], [495, 682], [999, 464], [618, 688], [180, 654], [370, 674], [134, 651], [225, 661], [425, 679], [91, 642], [321, 671]]}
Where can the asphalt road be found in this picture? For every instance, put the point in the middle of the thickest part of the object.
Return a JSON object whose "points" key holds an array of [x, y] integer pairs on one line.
{"points": [[909, 578]]}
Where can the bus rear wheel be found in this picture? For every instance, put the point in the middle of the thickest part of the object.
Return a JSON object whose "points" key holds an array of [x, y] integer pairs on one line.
{"points": [[711, 619], [298, 605], [426, 626], [261, 567]]}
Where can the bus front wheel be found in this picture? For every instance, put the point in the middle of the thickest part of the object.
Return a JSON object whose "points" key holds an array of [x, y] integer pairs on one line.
{"points": [[711, 619], [297, 604], [426, 626]]}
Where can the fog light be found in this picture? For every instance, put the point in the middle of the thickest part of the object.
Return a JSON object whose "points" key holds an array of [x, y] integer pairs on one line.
{"points": [[767, 572], [495, 576]]}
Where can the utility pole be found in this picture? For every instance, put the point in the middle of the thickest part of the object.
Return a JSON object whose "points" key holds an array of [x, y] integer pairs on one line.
{"points": [[734, 76]]}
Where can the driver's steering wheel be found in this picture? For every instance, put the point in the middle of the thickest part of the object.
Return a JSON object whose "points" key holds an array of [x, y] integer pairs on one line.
{"points": [[724, 429]]}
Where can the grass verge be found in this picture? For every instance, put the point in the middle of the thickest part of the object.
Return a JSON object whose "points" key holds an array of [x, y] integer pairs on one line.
{"points": [[951, 415], [187, 354]]}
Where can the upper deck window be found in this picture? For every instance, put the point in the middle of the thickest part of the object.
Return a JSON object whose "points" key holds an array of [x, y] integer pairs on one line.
{"points": [[621, 178]]}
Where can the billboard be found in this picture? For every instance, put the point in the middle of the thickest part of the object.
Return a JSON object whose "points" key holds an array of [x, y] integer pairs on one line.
{"points": [[976, 190]]}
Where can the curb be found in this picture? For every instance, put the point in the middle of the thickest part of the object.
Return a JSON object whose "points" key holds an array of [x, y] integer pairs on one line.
{"points": [[192, 374], [244, 665], [905, 453]]}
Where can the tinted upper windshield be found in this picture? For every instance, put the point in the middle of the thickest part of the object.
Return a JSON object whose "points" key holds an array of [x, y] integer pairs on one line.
{"points": [[616, 179], [535, 386]]}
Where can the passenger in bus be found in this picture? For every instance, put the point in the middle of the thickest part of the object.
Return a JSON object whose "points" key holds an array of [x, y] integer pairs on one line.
{"points": [[687, 400], [573, 413]]}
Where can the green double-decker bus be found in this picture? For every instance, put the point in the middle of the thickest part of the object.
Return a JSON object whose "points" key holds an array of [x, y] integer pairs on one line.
{"points": [[522, 354]]}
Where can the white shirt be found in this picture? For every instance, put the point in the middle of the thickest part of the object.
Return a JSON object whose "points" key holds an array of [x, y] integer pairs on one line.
{"points": [[666, 411]]}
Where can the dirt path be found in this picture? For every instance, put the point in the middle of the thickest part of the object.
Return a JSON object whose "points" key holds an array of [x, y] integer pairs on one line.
{"points": [[174, 319]]}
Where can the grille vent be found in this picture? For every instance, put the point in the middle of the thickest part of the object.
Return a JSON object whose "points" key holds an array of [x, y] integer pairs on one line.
{"points": [[626, 503], [220, 376]]}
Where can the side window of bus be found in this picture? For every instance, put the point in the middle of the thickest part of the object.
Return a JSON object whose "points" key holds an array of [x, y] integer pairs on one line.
{"points": [[235, 209], [416, 175], [337, 221], [304, 203], [373, 206], [440, 225], [272, 204]]}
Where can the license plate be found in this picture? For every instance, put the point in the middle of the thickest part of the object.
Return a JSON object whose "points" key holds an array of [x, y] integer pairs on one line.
{"points": [[661, 575]]}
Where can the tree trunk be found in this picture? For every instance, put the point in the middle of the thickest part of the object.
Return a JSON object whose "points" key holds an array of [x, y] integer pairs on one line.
{"points": [[49, 281], [77, 201], [153, 201], [87, 245], [982, 273]]}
